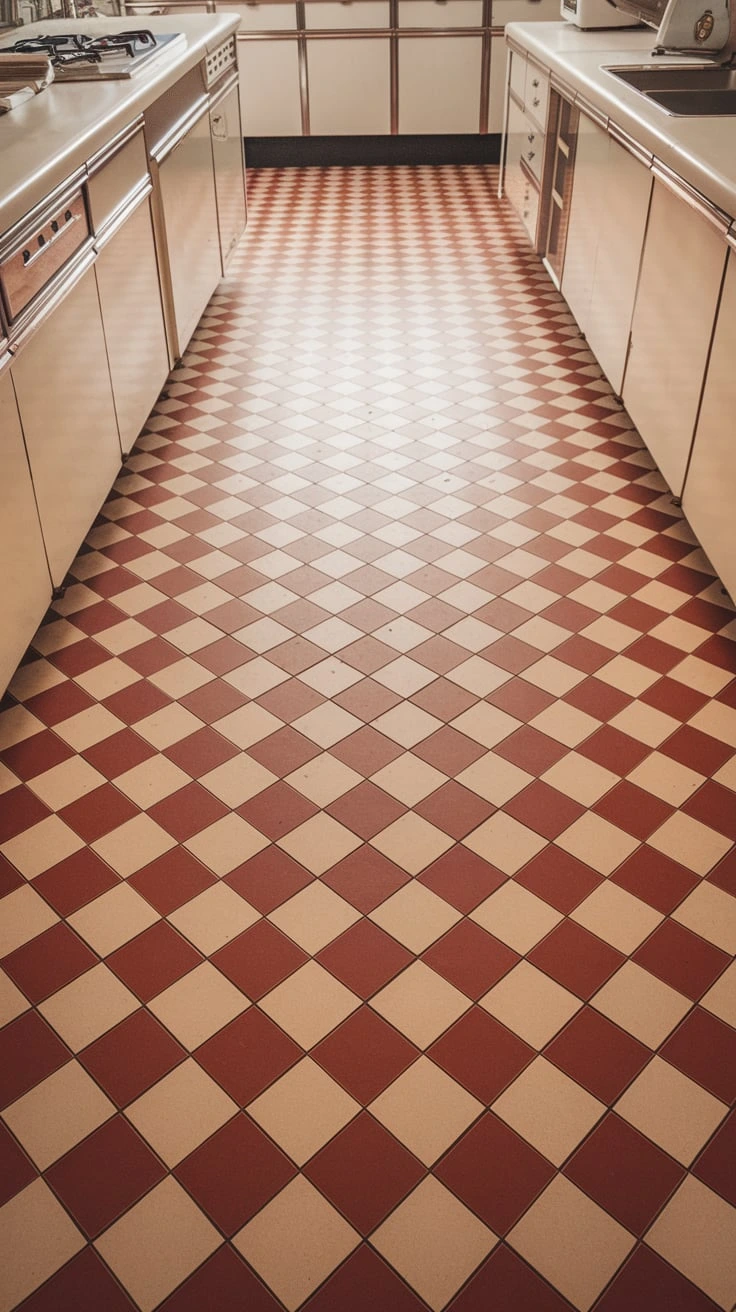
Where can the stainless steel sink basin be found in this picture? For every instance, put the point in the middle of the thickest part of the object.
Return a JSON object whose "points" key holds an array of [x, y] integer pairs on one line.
{"points": [[687, 91]]}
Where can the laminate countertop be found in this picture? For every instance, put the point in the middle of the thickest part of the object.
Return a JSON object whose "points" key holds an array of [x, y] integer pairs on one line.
{"points": [[50, 137], [700, 150]]}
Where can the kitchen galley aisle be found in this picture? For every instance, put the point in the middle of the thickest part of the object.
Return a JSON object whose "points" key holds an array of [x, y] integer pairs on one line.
{"points": [[367, 820]]}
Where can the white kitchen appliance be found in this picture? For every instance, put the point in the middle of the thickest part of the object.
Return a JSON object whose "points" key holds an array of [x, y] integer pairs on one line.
{"points": [[596, 13]]}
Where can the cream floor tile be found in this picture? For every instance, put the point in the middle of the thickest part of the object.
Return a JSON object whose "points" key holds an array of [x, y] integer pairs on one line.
{"points": [[296, 1242], [330, 677], [696, 1232], [504, 842], [686, 840], [721, 998], [404, 676], [641, 1004], [237, 780], [671, 1109], [573, 1243], [645, 723], [415, 916], [516, 916], [434, 1242], [585, 781], [531, 1004], [151, 781], [309, 1004], [167, 726], [597, 843], [12, 1002], [25, 914], [214, 917], [248, 725], [564, 723], [133, 845], [258, 676], [406, 725], [57, 1114], [323, 779], [327, 724], [553, 676], [198, 1005], [226, 844], [409, 779], [412, 843], [548, 1109], [420, 1003], [156, 1245], [426, 1110], [665, 778], [617, 917], [319, 843], [66, 782], [303, 1109], [42, 846], [485, 724], [88, 1007], [37, 1236], [314, 916], [180, 1112], [710, 912], [113, 919], [478, 676], [494, 779]]}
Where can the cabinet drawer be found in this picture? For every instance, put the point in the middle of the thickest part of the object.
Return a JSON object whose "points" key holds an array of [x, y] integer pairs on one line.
{"points": [[440, 13], [523, 196], [256, 17], [524, 11], [346, 14], [536, 93], [113, 183]]}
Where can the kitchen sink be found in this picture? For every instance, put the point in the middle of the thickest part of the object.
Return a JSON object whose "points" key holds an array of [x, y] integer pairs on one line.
{"points": [[687, 91]]}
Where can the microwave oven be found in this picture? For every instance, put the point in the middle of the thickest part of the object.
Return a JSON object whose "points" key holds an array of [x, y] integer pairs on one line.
{"points": [[596, 13]]}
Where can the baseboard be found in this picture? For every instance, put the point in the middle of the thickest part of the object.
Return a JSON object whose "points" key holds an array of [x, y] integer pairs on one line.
{"points": [[289, 152]]}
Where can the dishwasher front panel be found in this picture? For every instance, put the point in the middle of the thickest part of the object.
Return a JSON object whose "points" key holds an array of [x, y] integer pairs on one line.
{"points": [[127, 278], [26, 578], [187, 191], [227, 153], [73, 447]]}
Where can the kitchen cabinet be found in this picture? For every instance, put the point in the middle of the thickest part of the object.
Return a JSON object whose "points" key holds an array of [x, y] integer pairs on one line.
{"points": [[227, 157], [439, 84], [681, 271], [608, 215], [526, 139], [342, 15], [349, 86], [26, 578], [69, 420], [269, 88], [440, 13], [497, 91], [709, 497], [126, 270]]}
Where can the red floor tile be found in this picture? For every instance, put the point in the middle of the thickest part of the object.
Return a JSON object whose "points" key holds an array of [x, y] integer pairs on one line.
{"points": [[504, 1282], [83, 1285], [153, 960], [365, 878], [363, 1284], [29, 1052], [103, 1176], [259, 959], [682, 959], [704, 1048], [624, 1173], [481, 1054], [579, 961], [48, 962], [470, 958], [235, 1173], [648, 1284], [128, 1059], [365, 1172], [268, 879], [364, 958], [495, 1173], [248, 1055], [364, 1054], [171, 880], [599, 1055], [224, 1281], [16, 1170]]}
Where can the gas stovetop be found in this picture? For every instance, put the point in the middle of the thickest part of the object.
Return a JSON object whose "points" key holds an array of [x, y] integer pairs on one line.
{"points": [[82, 57]]}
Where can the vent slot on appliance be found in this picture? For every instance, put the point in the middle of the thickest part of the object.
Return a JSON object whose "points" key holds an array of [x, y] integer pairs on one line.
{"points": [[220, 60]]}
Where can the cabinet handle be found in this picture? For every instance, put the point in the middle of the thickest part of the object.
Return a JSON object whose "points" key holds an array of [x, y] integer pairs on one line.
{"points": [[530, 137], [535, 101], [530, 154], [535, 82]]}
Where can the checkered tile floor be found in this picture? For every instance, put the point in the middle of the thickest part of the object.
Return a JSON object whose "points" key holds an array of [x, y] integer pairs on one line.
{"points": [[368, 817]]}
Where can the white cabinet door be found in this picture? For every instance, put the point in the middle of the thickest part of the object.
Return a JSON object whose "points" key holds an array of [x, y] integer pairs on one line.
{"points": [[269, 88], [227, 155], [257, 17], [73, 449], [440, 13], [439, 84], [349, 87], [709, 498], [127, 280], [187, 183], [498, 84], [591, 158], [622, 221], [345, 14], [26, 578], [671, 330]]}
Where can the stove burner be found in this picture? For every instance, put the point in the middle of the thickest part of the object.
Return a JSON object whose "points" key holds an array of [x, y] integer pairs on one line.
{"points": [[76, 48]]}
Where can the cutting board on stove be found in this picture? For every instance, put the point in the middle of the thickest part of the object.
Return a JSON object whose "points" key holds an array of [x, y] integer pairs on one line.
{"points": [[21, 77]]}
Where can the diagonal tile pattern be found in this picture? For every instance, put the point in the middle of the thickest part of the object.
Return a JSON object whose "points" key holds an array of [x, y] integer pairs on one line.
{"points": [[367, 813]]}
